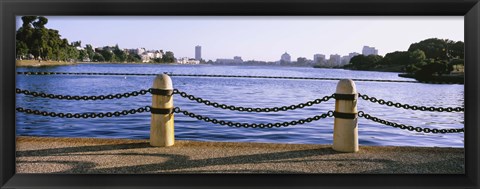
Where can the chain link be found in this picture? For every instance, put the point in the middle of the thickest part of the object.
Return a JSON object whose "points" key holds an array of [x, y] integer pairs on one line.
{"points": [[248, 109], [253, 125], [203, 75], [84, 115], [408, 127], [411, 107], [76, 73], [70, 97]]}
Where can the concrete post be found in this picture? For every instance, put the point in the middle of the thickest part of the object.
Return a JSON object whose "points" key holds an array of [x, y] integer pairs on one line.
{"points": [[161, 126], [345, 131]]}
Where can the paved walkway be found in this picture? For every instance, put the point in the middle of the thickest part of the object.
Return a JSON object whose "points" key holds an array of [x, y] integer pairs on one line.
{"points": [[112, 156]]}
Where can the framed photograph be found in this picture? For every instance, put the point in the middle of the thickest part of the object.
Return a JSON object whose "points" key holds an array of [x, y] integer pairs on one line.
{"points": [[228, 94]]}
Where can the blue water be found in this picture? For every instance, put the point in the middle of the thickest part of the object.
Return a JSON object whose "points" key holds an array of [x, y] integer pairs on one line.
{"points": [[239, 92]]}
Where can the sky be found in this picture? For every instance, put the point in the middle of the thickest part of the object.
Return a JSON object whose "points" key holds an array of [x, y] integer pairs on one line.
{"points": [[263, 38]]}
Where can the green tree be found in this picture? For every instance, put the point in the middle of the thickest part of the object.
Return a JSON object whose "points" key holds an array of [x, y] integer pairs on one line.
{"points": [[169, 57], [434, 48], [456, 50], [417, 56], [396, 58], [43, 43], [120, 55], [97, 57], [428, 70], [90, 51], [107, 55], [361, 62], [134, 58], [21, 49]]}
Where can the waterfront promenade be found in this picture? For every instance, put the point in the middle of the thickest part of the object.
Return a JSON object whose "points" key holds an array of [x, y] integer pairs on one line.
{"points": [[126, 156]]}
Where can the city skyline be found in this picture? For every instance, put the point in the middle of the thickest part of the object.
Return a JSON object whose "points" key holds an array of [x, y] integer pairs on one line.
{"points": [[257, 38]]}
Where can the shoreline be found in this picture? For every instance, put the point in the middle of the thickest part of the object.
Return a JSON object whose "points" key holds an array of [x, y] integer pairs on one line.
{"points": [[37, 63], [130, 156]]}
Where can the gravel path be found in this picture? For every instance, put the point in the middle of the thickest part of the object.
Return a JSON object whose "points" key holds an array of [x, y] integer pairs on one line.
{"points": [[123, 156]]}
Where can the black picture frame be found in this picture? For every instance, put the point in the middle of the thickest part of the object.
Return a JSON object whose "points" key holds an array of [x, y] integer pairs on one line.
{"points": [[470, 9]]}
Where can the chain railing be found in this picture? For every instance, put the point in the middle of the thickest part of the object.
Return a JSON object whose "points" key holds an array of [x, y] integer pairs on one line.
{"points": [[234, 108], [161, 112], [71, 97], [84, 115], [208, 76], [182, 94], [408, 127], [411, 107], [253, 125], [250, 109], [162, 125], [175, 110]]}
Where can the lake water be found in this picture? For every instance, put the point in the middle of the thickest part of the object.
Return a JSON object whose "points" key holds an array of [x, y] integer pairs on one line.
{"points": [[244, 92]]}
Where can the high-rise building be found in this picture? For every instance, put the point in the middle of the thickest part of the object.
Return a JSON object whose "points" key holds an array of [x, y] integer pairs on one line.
{"points": [[198, 52], [351, 55], [318, 58], [285, 58], [369, 51], [334, 60]]}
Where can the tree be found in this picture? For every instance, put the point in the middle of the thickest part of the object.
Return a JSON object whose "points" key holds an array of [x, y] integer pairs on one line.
{"points": [[120, 55], [107, 55], [428, 70], [21, 49], [43, 43], [40, 23], [417, 56], [433, 48], [90, 51], [97, 57], [396, 58], [362, 62], [456, 50], [169, 57], [134, 58]]}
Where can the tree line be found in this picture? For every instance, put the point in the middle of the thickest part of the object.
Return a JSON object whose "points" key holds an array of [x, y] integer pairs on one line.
{"points": [[35, 41], [427, 57]]}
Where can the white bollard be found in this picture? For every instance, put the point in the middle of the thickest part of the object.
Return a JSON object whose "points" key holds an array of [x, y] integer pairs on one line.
{"points": [[162, 121], [345, 131]]}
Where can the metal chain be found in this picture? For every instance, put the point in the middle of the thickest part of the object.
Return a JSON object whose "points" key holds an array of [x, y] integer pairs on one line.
{"points": [[411, 107], [203, 75], [253, 125], [84, 115], [408, 127], [69, 97], [72, 73], [248, 109]]}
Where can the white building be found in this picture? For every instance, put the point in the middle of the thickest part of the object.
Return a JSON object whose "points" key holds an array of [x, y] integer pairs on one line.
{"points": [[346, 59], [318, 58], [351, 55], [235, 60], [157, 54], [140, 51], [286, 58], [198, 52], [186, 60], [334, 60], [145, 58], [369, 51]]}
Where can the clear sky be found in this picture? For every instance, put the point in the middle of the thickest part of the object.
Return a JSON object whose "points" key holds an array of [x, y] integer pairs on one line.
{"points": [[255, 37]]}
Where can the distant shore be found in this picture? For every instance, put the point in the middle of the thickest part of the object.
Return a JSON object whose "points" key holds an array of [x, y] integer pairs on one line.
{"points": [[37, 63], [395, 69]]}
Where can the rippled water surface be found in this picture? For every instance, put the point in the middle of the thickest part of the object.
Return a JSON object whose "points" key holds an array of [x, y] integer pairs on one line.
{"points": [[244, 92]]}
